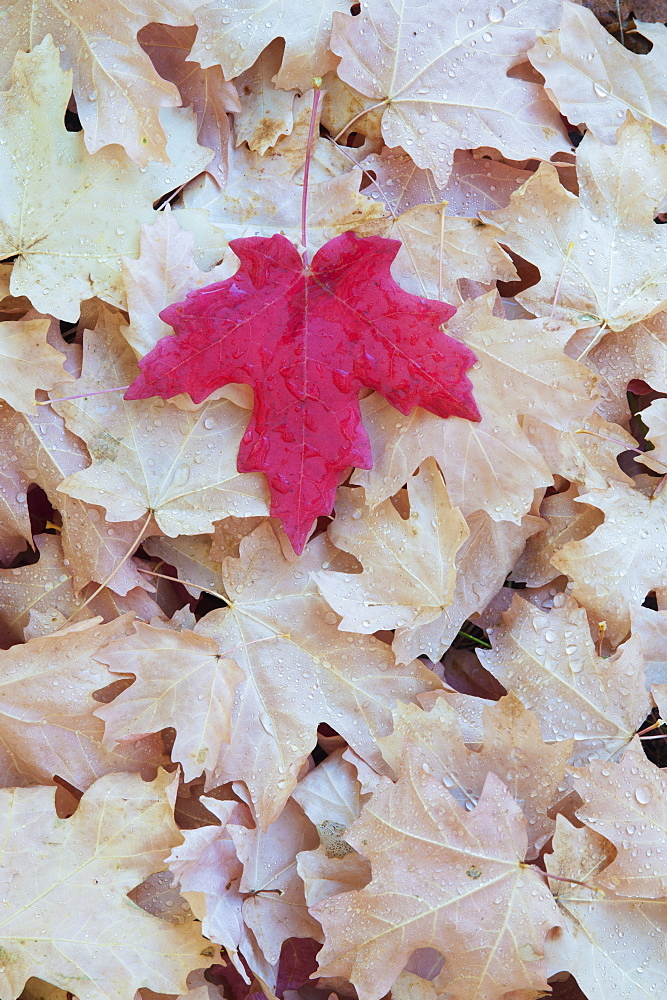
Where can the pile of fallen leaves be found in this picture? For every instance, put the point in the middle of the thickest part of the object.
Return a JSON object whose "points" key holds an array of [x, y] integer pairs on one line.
{"points": [[332, 521]]}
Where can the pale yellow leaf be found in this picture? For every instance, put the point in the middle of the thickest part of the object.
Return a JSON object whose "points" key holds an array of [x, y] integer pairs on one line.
{"points": [[601, 249], [150, 455], [549, 660], [300, 671], [594, 81], [439, 893], [120, 834], [118, 92], [181, 681], [443, 80], [69, 198]]}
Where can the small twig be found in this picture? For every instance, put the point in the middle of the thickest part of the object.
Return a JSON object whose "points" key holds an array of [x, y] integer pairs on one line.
{"points": [[83, 395]]}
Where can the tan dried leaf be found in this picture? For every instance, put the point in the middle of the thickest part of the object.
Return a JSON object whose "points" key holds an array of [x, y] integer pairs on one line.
{"points": [[69, 197], [475, 184], [491, 466], [45, 589], [600, 931], [437, 249], [549, 660], [150, 455], [512, 748], [46, 452], [408, 564], [300, 671], [625, 802], [118, 92], [566, 520], [236, 42], [585, 453], [400, 56], [204, 90], [595, 82], [269, 864], [266, 112], [442, 893], [614, 567], [46, 706], [181, 681], [121, 832], [620, 188], [638, 352]]}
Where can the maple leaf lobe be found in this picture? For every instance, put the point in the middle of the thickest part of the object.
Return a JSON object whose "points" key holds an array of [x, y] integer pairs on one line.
{"points": [[306, 341]]}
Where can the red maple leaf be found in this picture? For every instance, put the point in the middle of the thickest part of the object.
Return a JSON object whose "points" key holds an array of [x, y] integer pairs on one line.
{"points": [[306, 341]]}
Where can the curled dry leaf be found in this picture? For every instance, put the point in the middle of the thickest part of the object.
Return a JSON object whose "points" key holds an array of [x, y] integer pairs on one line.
{"points": [[120, 833], [204, 90], [549, 660], [273, 203], [100, 204], [265, 112]]}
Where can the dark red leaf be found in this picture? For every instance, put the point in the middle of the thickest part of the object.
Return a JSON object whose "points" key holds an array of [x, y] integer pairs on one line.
{"points": [[307, 341]]}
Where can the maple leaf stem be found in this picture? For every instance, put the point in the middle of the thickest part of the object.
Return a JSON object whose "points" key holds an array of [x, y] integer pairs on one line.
{"points": [[596, 339], [606, 437], [186, 583], [368, 174], [660, 485], [570, 248], [111, 575], [306, 168], [83, 395], [361, 114], [660, 722], [560, 878], [466, 635]]}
